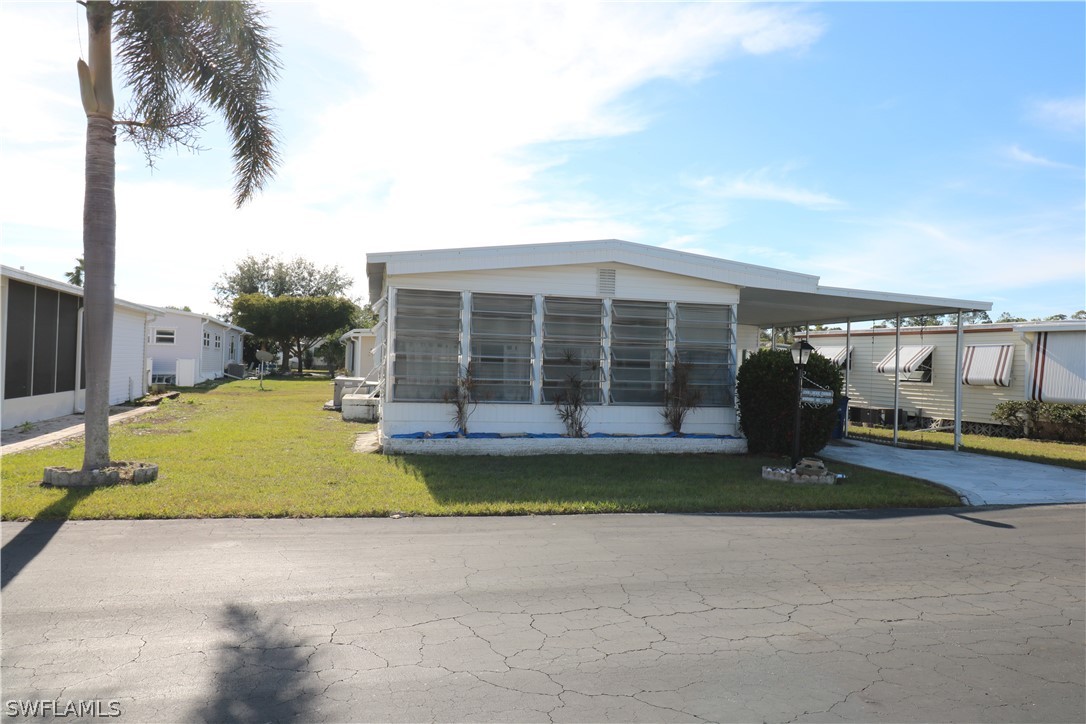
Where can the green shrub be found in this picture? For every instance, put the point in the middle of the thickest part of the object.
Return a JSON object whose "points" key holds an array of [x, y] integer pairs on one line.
{"points": [[1043, 420], [766, 386]]}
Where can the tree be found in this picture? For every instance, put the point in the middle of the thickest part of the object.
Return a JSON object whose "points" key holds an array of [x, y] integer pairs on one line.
{"points": [[298, 323], [221, 54], [978, 317], [926, 320], [274, 277], [1080, 314], [75, 276], [1008, 317]]}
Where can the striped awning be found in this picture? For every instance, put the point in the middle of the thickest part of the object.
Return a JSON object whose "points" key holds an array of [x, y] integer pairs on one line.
{"points": [[1058, 367], [837, 355], [987, 364], [909, 358]]}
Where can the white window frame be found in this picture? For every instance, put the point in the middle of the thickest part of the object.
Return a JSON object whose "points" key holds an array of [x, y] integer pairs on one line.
{"points": [[157, 331]]}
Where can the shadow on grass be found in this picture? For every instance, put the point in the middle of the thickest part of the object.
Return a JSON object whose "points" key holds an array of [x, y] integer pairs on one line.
{"points": [[260, 675], [695, 483], [212, 385], [18, 552], [637, 482]]}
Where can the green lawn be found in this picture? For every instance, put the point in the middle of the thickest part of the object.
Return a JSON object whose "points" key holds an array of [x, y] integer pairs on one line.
{"points": [[236, 451], [1070, 455]]}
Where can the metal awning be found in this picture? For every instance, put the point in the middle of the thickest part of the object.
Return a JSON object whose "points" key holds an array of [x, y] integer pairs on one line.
{"points": [[837, 354], [1054, 363], [987, 364], [908, 358], [764, 307]]}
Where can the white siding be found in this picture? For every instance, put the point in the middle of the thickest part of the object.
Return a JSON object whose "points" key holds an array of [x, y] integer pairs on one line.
{"points": [[575, 280], [126, 377], [186, 342], [746, 340], [210, 362], [870, 389]]}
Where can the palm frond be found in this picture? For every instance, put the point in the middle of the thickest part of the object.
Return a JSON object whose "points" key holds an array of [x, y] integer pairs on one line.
{"points": [[222, 53]]}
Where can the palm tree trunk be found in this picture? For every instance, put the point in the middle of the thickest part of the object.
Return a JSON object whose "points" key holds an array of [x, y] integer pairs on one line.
{"points": [[99, 249], [99, 233]]}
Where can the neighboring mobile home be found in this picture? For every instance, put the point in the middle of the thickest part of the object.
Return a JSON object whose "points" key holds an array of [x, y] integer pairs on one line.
{"points": [[1043, 361], [41, 357], [526, 321], [188, 348], [358, 358]]}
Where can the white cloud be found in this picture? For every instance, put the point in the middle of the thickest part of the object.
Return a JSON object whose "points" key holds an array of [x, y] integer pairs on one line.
{"points": [[1062, 114], [972, 258], [423, 125], [450, 131], [1015, 153], [757, 186]]}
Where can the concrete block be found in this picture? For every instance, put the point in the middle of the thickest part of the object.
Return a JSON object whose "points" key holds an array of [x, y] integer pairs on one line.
{"points": [[359, 408], [561, 445]]}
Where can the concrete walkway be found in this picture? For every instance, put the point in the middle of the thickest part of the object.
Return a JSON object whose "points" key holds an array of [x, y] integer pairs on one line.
{"points": [[979, 479], [50, 432]]}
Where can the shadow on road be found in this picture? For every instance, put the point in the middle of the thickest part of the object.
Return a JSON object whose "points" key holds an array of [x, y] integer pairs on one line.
{"points": [[18, 552], [260, 675]]}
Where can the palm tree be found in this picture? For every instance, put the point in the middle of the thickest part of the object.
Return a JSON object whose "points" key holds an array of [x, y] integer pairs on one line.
{"points": [[219, 53], [75, 276]]}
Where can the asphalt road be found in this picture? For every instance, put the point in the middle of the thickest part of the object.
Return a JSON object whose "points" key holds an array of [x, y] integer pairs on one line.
{"points": [[962, 616]]}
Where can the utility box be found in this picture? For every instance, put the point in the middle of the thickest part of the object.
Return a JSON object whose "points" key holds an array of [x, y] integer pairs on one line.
{"points": [[186, 373], [349, 385], [360, 408]]}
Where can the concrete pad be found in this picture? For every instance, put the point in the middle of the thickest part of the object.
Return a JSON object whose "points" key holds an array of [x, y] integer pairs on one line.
{"points": [[979, 479], [367, 442], [59, 429]]}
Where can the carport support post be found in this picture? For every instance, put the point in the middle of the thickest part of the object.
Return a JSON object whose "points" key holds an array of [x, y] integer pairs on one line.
{"points": [[848, 363], [897, 369], [958, 350]]}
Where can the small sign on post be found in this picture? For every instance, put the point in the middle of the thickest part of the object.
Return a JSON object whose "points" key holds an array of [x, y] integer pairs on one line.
{"points": [[816, 398], [263, 357]]}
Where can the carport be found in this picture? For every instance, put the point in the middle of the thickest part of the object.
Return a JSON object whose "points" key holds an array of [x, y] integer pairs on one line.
{"points": [[776, 308]]}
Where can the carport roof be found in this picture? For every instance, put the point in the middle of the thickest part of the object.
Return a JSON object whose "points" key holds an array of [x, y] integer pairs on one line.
{"points": [[768, 297]]}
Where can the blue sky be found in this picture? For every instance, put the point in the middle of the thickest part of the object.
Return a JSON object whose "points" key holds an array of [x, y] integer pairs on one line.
{"points": [[928, 148]]}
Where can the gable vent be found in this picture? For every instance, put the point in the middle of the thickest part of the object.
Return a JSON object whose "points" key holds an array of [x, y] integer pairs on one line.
{"points": [[605, 282]]}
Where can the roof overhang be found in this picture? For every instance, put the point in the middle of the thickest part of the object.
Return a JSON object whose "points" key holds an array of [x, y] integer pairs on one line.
{"points": [[1069, 325], [38, 280], [768, 297], [763, 307]]}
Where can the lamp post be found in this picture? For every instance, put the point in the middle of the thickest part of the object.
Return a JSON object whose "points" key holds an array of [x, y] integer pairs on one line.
{"points": [[801, 352]]}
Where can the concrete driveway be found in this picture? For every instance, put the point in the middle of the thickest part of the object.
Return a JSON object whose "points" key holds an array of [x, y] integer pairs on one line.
{"points": [[979, 479], [957, 616]]}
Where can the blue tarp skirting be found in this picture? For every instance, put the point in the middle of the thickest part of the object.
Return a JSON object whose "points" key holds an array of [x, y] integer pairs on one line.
{"points": [[544, 435]]}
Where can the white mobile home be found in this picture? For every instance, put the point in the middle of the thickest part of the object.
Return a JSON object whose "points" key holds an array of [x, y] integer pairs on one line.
{"points": [[614, 316], [1043, 361], [188, 348], [41, 357], [358, 355]]}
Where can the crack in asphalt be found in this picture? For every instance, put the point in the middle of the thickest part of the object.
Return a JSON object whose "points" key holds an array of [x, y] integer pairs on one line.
{"points": [[622, 635]]}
